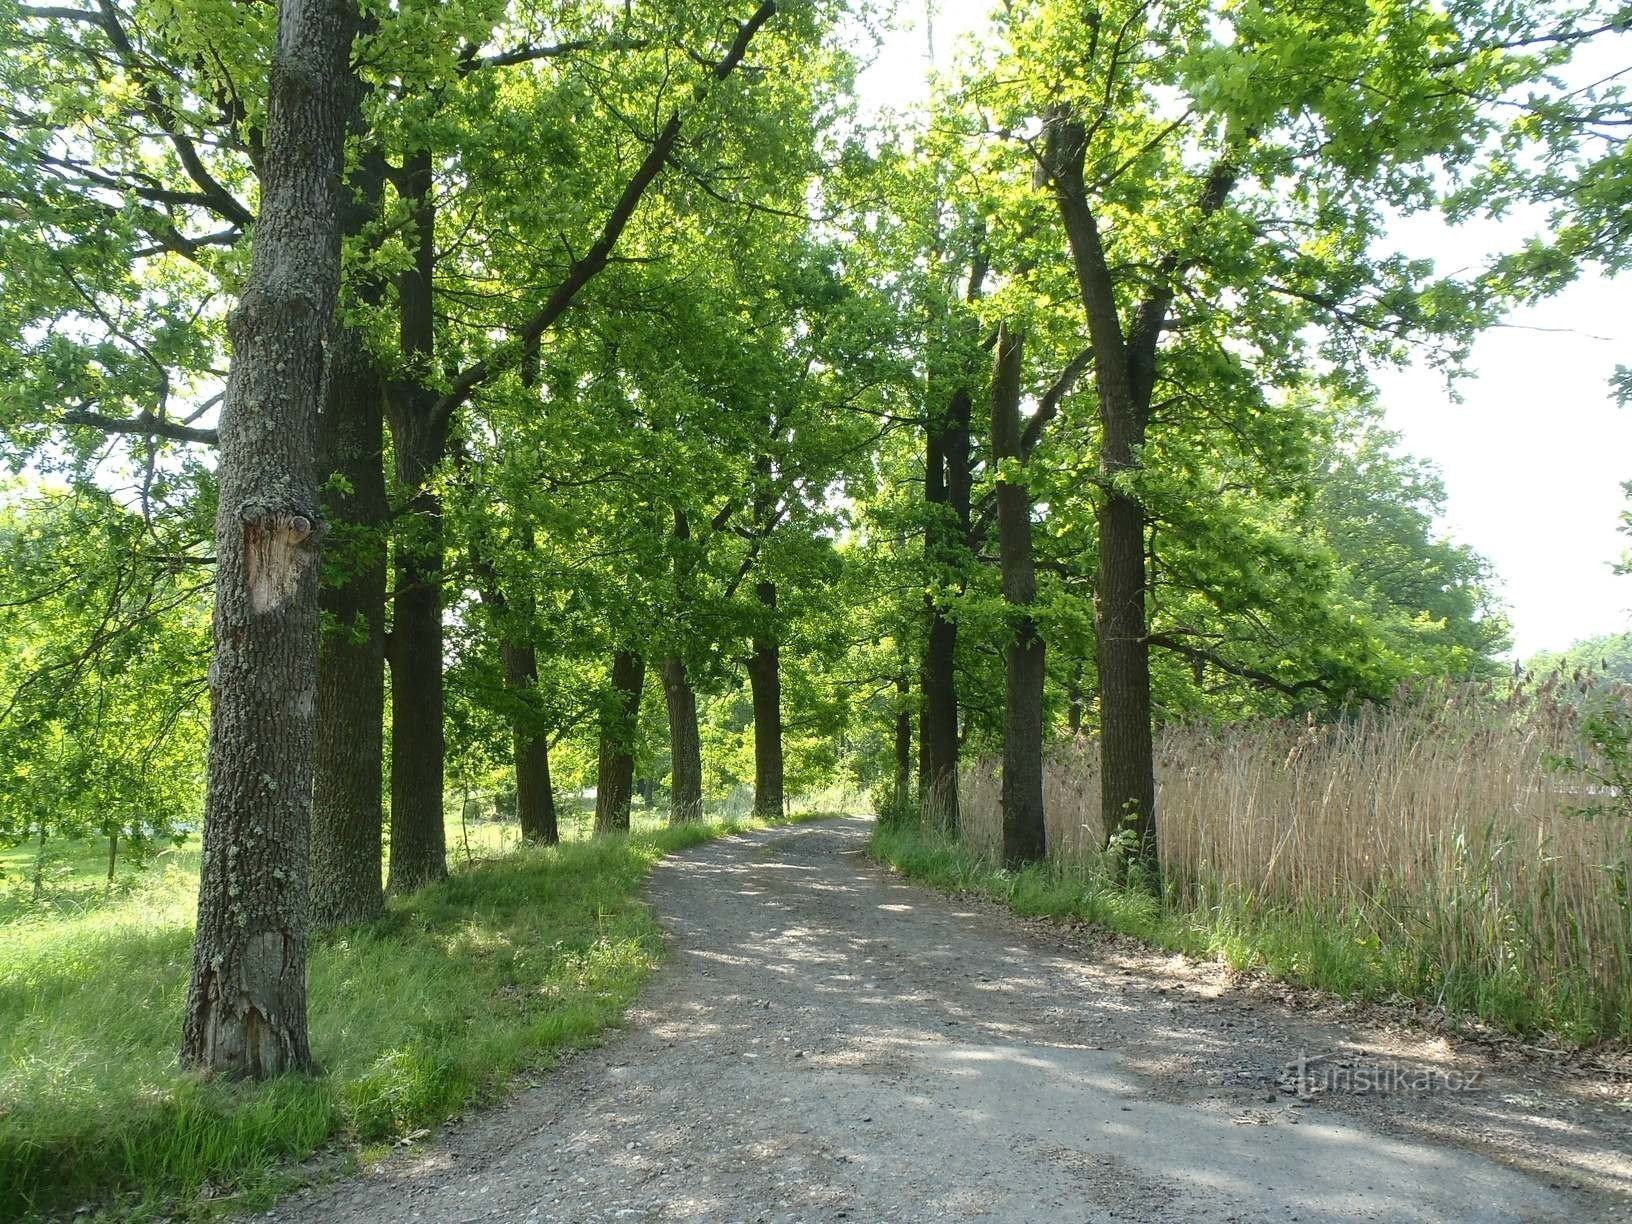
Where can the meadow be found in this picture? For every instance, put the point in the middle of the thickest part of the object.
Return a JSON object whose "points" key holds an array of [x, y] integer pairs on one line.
{"points": [[522, 952]]}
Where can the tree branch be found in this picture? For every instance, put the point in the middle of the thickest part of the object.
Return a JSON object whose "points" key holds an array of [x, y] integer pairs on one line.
{"points": [[1241, 670], [528, 53], [146, 425], [160, 111], [1151, 316], [585, 269], [1049, 408]]}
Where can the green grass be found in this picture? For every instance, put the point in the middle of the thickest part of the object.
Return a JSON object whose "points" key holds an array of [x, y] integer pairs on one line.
{"points": [[413, 1018], [1321, 946]]}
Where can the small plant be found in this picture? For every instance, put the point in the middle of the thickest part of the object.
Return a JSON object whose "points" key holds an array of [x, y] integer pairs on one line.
{"points": [[895, 807]]}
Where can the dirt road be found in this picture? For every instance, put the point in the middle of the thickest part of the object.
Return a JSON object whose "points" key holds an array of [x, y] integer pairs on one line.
{"points": [[828, 1043]]}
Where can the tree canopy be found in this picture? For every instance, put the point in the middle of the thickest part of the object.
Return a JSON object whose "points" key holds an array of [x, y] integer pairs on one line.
{"points": [[674, 429]]}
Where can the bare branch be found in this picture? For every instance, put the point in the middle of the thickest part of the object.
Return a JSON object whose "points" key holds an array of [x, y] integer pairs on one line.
{"points": [[1241, 670], [146, 425], [528, 53]]}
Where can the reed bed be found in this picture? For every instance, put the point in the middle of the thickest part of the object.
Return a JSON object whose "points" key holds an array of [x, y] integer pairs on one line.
{"points": [[1440, 838]]}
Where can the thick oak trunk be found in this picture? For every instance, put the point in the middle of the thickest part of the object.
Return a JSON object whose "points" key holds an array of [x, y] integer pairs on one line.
{"points": [[535, 796], [765, 681], [685, 745], [418, 835], [347, 813], [620, 717], [1127, 750], [1024, 830], [246, 998], [346, 802], [1123, 380]]}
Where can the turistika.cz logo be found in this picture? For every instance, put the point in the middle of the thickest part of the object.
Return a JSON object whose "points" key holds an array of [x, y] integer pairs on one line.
{"points": [[1354, 1075]]}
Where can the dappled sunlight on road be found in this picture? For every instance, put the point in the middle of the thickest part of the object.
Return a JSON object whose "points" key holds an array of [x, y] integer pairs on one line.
{"points": [[826, 1042]]}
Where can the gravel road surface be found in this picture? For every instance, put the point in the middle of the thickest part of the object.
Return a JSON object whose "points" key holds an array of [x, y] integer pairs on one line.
{"points": [[828, 1043]]}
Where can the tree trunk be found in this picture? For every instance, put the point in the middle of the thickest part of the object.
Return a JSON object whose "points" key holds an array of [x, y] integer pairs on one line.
{"points": [[246, 999], [948, 480], [765, 680], [418, 836], [346, 807], [938, 715], [903, 748], [685, 745], [535, 796], [347, 812], [620, 714], [1024, 830], [1127, 751]]}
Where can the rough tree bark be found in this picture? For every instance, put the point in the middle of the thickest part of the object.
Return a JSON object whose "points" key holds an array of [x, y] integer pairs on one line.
{"points": [[1024, 831], [418, 835], [246, 999], [346, 810], [765, 681], [620, 714], [685, 745]]}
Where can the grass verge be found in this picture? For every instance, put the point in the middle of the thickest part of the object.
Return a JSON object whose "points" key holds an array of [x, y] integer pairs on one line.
{"points": [[413, 1018], [1325, 946]]}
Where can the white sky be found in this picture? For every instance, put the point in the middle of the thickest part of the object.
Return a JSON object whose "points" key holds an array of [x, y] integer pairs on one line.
{"points": [[1534, 456]]}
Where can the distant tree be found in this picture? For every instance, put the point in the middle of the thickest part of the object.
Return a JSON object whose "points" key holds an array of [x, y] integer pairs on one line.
{"points": [[1597, 662], [1024, 837], [103, 650]]}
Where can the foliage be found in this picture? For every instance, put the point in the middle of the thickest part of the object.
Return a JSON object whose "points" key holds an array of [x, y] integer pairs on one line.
{"points": [[103, 648], [1606, 659], [739, 404]]}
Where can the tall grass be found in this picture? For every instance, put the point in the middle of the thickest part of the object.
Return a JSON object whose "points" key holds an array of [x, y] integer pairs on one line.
{"points": [[1437, 840], [412, 1018]]}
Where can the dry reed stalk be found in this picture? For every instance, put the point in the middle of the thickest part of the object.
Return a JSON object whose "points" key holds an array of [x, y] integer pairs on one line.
{"points": [[1440, 821]]}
